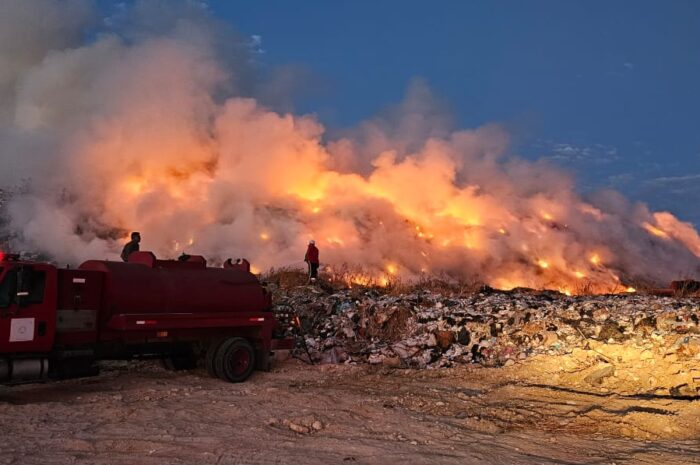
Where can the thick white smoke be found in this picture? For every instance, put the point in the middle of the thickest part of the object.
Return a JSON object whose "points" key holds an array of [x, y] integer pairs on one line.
{"points": [[153, 123]]}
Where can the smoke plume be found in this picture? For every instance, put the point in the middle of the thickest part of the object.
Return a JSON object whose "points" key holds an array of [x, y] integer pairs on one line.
{"points": [[152, 121]]}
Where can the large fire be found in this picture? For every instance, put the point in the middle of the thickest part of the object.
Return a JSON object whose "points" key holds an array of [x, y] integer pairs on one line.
{"points": [[146, 134], [426, 220]]}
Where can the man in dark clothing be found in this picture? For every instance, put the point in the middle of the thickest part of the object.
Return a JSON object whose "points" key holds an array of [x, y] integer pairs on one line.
{"points": [[131, 246], [311, 258]]}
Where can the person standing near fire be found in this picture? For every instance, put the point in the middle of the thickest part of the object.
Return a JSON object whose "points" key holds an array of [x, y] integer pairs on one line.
{"points": [[311, 258], [131, 246]]}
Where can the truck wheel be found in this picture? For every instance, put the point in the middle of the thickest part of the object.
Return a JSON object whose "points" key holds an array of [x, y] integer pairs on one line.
{"points": [[234, 360], [210, 357]]}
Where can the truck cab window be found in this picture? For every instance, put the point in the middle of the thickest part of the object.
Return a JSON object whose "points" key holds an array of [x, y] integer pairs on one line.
{"points": [[23, 286], [34, 283]]}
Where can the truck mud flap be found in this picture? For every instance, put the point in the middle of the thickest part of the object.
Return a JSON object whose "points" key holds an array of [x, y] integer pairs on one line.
{"points": [[262, 359]]}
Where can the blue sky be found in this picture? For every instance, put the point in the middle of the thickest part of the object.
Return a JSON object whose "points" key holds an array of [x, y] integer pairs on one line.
{"points": [[608, 89]]}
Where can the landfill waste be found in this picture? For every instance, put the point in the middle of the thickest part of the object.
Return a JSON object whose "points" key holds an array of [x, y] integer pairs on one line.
{"points": [[428, 328]]}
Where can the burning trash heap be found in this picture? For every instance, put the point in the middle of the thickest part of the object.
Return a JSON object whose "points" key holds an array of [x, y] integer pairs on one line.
{"points": [[431, 329]]}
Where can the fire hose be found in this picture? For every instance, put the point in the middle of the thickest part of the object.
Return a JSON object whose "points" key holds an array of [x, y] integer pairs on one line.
{"points": [[301, 335]]}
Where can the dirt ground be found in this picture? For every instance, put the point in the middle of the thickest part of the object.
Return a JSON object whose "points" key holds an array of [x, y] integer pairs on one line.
{"points": [[537, 412]]}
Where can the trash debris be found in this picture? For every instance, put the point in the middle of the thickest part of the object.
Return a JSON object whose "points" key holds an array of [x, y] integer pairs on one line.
{"points": [[430, 329]]}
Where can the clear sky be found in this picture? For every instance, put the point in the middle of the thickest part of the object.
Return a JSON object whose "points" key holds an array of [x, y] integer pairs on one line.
{"points": [[608, 89]]}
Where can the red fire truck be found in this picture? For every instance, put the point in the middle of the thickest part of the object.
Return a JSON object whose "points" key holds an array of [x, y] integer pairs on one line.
{"points": [[56, 323]]}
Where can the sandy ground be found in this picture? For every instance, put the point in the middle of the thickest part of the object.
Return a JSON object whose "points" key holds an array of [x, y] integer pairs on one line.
{"points": [[141, 414]]}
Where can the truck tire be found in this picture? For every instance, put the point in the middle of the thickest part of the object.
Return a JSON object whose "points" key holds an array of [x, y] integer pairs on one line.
{"points": [[210, 356], [234, 360]]}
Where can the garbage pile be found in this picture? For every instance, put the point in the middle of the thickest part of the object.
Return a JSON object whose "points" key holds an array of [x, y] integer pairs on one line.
{"points": [[427, 329]]}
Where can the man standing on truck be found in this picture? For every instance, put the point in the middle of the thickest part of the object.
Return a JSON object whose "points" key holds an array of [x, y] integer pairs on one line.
{"points": [[311, 258], [131, 246]]}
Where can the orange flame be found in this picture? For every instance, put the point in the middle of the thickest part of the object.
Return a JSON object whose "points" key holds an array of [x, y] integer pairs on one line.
{"points": [[422, 211]]}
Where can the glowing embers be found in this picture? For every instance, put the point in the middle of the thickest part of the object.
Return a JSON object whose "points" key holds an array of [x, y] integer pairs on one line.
{"points": [[362, 280], [422, 234], [356, 276], [365, 280]]}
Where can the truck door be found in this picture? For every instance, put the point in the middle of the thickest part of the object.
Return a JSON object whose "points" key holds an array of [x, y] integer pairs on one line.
{"points": [[27, 308], [79, 301]]}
